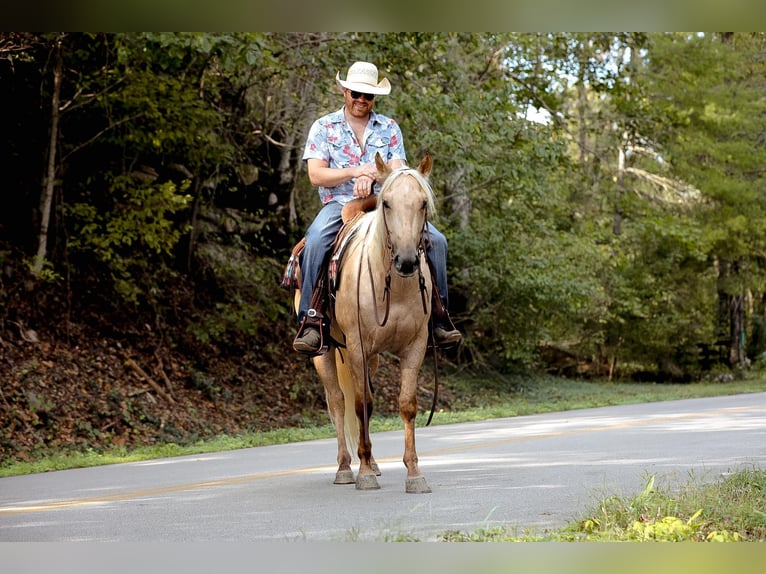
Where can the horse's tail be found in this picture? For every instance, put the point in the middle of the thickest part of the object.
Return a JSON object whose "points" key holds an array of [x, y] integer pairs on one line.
{"points": [[350, 420]]}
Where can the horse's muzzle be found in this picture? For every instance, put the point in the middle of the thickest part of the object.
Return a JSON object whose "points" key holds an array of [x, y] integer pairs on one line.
{"points": [[406, 266]]}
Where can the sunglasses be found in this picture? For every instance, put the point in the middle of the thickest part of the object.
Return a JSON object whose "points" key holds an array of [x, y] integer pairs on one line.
{"points": [[357, 95]]}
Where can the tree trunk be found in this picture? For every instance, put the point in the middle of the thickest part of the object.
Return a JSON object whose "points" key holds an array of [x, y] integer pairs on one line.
{"points": [[737, 322], [460, 203], [49, 181], [731, 313], [582, 106]]}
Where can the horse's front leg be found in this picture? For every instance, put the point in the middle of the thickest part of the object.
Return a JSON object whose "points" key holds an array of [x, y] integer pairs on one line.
{"points": [[408, 410], [327, 370], [368, 469]]}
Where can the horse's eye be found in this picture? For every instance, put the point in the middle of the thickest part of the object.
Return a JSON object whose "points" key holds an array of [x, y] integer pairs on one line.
{"points": [[424, 206], [385, 204]]}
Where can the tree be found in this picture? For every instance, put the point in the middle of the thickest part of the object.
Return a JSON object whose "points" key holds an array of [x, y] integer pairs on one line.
{"points": [[707, 88], [50, 172], [615, 227]]}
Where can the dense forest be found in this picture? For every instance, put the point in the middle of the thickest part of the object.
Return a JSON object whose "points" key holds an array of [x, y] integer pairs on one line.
{"points": [[603, 194]]}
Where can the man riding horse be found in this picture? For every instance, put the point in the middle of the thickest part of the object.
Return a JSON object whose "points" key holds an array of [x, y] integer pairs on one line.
{"points": [[340, 156]]}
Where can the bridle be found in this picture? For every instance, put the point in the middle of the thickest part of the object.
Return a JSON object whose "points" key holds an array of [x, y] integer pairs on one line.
{"points": [[387, 287]]}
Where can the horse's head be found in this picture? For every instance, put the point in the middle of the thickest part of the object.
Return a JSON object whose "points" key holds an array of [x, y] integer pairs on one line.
{"points": [[404, 203]]}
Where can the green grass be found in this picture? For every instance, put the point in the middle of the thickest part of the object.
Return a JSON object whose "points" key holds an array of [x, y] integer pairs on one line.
{"points": [[731, 510], [474, 397], [67, 460]]}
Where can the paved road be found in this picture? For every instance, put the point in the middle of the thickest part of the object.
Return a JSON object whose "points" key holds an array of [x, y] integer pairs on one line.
{"points": [[535, 471]]}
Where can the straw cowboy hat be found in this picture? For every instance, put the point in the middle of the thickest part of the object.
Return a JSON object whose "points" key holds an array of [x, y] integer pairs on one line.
{"points": [[363, 77]]}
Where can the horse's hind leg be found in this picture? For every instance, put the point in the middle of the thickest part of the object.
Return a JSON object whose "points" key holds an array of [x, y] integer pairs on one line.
{"points": [[327, 370]]}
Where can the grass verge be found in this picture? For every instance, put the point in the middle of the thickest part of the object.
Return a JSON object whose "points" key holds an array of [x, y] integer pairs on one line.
{"points": [[731, 510]]}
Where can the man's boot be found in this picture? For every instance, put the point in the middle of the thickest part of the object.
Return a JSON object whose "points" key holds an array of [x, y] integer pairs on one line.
{"points": [[309, 341], [444, 331], [446, 337]]}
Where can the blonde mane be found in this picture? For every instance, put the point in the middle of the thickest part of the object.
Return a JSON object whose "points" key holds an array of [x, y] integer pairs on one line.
{"points": [[422, 180]]}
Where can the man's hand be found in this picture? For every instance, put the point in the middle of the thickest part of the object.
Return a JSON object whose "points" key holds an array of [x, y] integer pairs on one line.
{"points": [[367, 176]]}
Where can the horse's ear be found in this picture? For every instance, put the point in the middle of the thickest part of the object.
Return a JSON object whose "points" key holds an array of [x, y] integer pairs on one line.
{"points": [[382, 166], [425, 165]]}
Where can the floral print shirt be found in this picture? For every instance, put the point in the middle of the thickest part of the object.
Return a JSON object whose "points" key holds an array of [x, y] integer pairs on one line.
{"points": [[332, 139]]}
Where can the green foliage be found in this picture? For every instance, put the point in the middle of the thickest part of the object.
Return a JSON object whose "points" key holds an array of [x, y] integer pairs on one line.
{"points": [[723, 511], [47, 274], [132, 232], [668, 529], [249, 303], [727, 513], [526, 278], [712, 135], [660, 292], [615, 230]]}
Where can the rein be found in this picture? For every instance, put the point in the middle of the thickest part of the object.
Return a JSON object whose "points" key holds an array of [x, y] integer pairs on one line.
{"points": [[365, 368], [433, 336]]}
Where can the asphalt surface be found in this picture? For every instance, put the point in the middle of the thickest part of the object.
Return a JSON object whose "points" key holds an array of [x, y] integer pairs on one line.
{"points": [[537, 472]]}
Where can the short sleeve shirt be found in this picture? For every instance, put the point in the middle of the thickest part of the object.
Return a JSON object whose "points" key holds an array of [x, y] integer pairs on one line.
{"points": [[332, 139]]}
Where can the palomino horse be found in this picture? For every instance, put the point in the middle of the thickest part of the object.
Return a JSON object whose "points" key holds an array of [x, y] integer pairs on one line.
{"points": [[377, 311]]}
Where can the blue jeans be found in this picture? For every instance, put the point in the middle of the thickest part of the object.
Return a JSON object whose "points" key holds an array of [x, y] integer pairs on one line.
{"points": [[319, 239]]}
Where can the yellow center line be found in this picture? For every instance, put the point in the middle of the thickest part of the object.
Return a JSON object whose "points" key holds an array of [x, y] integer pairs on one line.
{"points": [[172, 489], [157, 491]]}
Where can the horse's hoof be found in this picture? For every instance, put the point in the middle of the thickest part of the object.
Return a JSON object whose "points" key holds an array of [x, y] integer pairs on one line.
{"points": [[416, 485], [375, 468], [366, 482], [344, 477]]}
